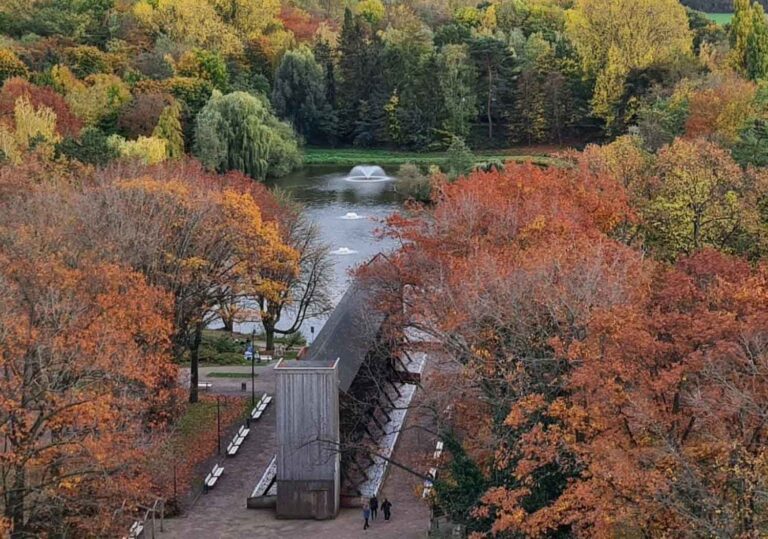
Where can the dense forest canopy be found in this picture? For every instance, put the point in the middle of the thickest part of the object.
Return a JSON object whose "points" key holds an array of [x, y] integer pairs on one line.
{"points": [[607, 313], [715, 6], [408, 75]]}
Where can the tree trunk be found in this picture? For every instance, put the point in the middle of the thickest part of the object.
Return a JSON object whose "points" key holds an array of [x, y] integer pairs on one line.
{"points": [[194, 355], [229, 322], [269, 332], [490, 99], [696, 230], [15, 508]]}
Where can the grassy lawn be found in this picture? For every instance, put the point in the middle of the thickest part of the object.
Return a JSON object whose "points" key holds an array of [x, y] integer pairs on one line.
{"points": [[201, 416], [220, 347], [720, 18], [355, 156], [230, 374]]}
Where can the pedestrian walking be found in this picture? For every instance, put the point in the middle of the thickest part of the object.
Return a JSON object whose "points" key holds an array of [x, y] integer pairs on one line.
{"points": [[374, 504], [386, 508], [366, 516]]}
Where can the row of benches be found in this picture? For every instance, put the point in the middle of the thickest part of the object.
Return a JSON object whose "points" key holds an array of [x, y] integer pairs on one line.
{"points": [[237, 441], [212, 477], [234, 445], [261, 406], [432, 473]]}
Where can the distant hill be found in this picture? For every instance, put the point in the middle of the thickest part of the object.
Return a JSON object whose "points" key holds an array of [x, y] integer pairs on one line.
{"points": [[715, 6]]}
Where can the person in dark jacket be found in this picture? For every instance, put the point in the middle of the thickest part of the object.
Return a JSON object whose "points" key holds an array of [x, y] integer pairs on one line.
{"points": [[366, 516], [374, 504], [386, 508]]}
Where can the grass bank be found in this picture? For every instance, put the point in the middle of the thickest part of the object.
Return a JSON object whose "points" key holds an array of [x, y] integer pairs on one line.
{"points": [[383, 157], [720, 18]]}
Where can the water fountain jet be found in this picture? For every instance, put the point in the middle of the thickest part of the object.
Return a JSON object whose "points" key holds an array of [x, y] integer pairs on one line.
{"points": [[344, 251], [367, 173]]}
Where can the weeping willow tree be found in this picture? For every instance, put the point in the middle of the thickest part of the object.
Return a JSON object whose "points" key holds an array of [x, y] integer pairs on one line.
{"points": [[238, 131]]}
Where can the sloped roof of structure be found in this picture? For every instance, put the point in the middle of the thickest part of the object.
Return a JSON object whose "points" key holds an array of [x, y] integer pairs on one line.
{"points": [[348, 334]]}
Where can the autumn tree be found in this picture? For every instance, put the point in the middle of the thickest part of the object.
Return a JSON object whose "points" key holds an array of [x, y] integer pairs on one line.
{"points": [[720, 109], [140, 116], [615, 37], [302, 295], [698, 199], [504, 263], [204, 65], [96, 99], [86, 366], [169, 129], [670, 430], [456, 77], [749, 39], [67, 124], [198, 237], [32, 129], [11, 66]]}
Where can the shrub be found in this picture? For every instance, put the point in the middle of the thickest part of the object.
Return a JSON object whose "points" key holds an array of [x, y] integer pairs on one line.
{"points": [[459, 158], [86, 60], [411, 183], [92, 147], [141, 115], [11, 66], [67, 124]]}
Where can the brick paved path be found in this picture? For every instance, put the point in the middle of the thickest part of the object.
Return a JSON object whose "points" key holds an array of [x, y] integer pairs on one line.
{"points": [[222, 512]]}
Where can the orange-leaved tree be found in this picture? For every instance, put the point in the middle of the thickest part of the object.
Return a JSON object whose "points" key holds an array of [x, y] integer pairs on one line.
{"points": [[196, 235], [85, 374], [504, 263], [667, 406]]}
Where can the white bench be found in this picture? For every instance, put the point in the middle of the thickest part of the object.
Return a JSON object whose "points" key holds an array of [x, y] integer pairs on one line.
{"points": [[136, 528], [438, 451], [211, 478], [265, 357], [237, 441], [204, 385], [258, 410]]}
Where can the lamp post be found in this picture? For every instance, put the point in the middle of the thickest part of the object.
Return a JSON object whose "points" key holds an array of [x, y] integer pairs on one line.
{"points": [[253, 367], [218, 423]]}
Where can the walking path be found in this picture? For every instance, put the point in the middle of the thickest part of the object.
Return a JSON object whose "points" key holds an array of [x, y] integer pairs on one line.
{"points": [[222, 513]]}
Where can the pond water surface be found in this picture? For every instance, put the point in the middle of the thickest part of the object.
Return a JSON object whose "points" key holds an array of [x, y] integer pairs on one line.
{"points": [[348, 214]]}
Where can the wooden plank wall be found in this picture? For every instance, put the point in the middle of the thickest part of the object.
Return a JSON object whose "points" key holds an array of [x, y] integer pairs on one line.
{"points": [[307, 424]]}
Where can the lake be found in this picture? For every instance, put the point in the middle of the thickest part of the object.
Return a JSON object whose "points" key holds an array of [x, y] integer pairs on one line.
{"points": [[328, 197]]}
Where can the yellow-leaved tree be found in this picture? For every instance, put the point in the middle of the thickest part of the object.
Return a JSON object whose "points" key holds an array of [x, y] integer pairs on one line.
{"points": [[32, 128], [615, 37], [94, 98], [218, 25]]}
